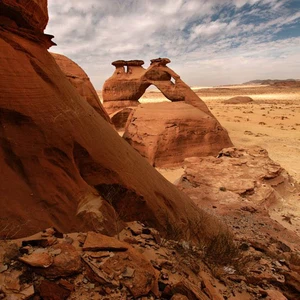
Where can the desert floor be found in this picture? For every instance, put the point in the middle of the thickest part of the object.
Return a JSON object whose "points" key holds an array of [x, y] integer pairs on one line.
{"points": [[271, 121]]}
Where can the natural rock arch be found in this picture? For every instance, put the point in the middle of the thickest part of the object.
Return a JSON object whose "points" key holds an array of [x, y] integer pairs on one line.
{"points": [[130, 81], [164, 133]]}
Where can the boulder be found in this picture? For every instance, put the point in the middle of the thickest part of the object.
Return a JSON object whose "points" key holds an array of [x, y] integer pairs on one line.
{"points": [[238, 100], [190, 290], [238, 174], [79, 79], [63, 165], [166, 133], [40, 259], [49, 290], [129, 268]]}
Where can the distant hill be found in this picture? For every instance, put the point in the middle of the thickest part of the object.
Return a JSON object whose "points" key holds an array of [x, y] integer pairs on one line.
{"points": [[276, 82]]}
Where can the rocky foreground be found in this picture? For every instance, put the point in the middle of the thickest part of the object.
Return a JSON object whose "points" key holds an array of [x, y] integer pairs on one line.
{"points": [[256, 257], [140, 264]]}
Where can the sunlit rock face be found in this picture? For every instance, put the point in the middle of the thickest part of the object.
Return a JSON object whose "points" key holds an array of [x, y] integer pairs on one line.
{"points": [[166, 133]]}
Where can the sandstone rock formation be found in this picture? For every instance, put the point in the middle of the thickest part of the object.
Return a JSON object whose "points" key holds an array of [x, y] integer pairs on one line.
{"points": [[120, 117], [247, 182], [125, 87], [62, 164], [27, 14], [237, 175], [130, 81], [259, 201], [81, 82], [238, 100], [166, 133]]}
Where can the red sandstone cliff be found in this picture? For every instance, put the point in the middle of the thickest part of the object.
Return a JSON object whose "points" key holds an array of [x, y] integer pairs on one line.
{"points": [[61, 163]]}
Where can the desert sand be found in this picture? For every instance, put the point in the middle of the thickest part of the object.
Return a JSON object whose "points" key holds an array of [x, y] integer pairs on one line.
{"points": [[271, 121]]}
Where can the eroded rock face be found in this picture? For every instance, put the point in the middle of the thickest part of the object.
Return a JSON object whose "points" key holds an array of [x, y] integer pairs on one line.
{"points": [[238, 174], [125, 87], [166, 133], [255, 195], [81, 82], [28, 14], [63, 165]]}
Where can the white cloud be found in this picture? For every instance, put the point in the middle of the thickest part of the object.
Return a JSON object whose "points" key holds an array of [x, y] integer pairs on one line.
{"points": [[199, 36]]}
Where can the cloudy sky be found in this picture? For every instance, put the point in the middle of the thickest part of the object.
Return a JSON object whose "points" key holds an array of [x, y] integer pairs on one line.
{"points": [[210, 42]]}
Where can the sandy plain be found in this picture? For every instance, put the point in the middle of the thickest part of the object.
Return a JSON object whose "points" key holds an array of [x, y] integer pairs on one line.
{"points": [[271, 121]]}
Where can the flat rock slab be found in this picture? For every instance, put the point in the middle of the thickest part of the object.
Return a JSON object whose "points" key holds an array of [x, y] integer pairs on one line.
{"points": [[99, 242], [38, 259]]}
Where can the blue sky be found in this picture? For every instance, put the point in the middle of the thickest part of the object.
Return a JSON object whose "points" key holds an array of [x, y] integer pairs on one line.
{"points": [[210, 42]]}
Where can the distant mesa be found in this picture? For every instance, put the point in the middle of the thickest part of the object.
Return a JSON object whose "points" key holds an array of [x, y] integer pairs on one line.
{"points": [[275, 82], [238, 100], [287, 83]]}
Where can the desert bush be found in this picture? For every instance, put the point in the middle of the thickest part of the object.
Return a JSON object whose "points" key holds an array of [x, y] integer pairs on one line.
{"points": [[205, 234], [221, 249]]}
